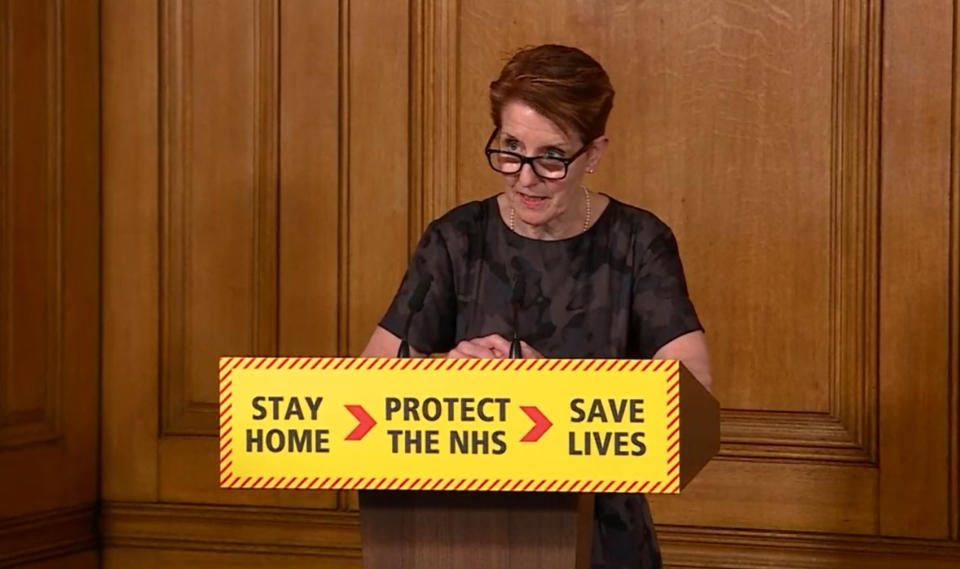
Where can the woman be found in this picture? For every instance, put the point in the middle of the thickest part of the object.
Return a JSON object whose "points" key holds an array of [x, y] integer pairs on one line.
{"points": [[589, 276]]}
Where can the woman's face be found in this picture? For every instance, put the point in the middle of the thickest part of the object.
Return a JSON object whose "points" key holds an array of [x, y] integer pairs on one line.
{"points": [[538, 201]]}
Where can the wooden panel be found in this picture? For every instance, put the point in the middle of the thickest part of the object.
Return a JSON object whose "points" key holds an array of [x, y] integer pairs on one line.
{"points": [[375, 254], [782, 497], [310, 181], [205, 265], [914, 262], [31, 204], [220, 138], [49, 282], [221, 230], [218, 195], [462, 529], [847, 432], [130, 249], [49, 189]]}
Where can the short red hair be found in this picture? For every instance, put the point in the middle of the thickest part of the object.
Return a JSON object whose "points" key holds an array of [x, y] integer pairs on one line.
{"points": [[561, 83]]}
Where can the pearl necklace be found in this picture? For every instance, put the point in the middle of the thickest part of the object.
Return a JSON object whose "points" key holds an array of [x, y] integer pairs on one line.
{"points": [[586, 219]]}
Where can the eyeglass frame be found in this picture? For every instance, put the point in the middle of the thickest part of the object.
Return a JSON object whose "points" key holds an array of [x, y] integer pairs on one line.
{"points": [[524, 160]]}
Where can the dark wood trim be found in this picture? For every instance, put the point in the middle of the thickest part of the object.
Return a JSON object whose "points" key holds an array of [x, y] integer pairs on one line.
{"points": [[231, 529], [954, 285], [720, 548], [776, 435], [49, 534], [331, 534]]}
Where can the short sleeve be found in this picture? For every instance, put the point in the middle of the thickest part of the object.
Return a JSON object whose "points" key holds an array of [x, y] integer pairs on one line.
{"points": [[431, 329], [662, 309]]}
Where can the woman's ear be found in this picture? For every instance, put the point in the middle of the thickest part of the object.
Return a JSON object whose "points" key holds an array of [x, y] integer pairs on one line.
{"points": [[599, 146]]}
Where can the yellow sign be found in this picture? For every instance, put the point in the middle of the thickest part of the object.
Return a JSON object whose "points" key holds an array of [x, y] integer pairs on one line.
{"points": [[458, 424]]}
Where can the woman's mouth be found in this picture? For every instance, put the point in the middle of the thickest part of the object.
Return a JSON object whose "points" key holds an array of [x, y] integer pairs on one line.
{"points": [[531, 201]]}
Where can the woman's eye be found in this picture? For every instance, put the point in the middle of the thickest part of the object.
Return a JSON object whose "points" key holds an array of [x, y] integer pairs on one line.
{"points": [[512, 145]]}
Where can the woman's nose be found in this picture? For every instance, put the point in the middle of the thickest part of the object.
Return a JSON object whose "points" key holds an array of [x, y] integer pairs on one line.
{"points": [[527, 176]]}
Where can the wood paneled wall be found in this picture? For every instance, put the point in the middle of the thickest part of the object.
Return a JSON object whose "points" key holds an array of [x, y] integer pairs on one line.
{"points": [[49, 282], [267, 166], [256, 181]]}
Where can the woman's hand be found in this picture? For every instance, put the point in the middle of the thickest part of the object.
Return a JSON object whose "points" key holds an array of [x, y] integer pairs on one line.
{"points": [[529, 353], [492, 346]]}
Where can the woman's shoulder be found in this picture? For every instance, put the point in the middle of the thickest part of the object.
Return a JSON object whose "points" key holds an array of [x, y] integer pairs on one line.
{"points": [[458, 231], [637, 221], [464, 219], [640, 234]]}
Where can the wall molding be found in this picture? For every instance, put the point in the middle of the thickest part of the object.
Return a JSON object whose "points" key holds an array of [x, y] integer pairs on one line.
{"points": [[343, 183], [780, 436], [954, 283], [55, 533], [434, 117], [6, 189], [320, 533], [6, 185], [328, 534], [721, 549]]}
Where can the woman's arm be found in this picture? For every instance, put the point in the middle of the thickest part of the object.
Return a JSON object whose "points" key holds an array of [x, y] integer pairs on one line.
{"points": [[383, 344], [691, 349]]}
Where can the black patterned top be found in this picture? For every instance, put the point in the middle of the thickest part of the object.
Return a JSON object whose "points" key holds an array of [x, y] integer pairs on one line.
{"points": [[616, 290]]}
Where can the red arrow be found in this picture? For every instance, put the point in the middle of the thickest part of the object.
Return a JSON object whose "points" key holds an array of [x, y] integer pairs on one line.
{"points": [[366, 422], [540, 424]]}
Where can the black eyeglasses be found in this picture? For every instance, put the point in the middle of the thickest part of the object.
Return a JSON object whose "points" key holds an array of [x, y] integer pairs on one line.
{"points": [[547, 167]]}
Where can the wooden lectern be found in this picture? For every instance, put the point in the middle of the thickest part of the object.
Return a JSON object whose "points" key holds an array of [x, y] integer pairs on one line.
{"points": [[475, 529], [545, 530]]}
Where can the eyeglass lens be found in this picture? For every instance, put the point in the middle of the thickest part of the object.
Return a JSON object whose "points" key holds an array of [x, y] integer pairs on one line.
{"points": [[508, 163]]}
